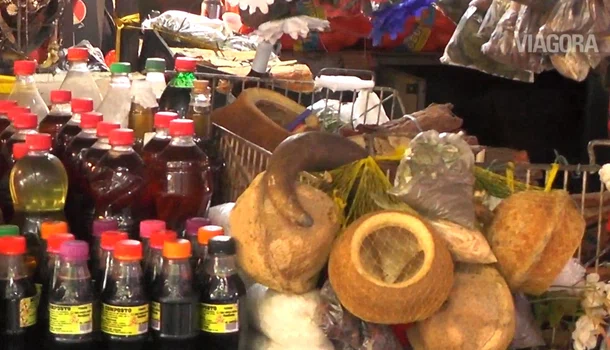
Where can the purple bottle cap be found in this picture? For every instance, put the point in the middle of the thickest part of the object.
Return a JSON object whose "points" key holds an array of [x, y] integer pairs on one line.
{"points": [[147, 227], [102, 225], [74, 250], [193, 225]]}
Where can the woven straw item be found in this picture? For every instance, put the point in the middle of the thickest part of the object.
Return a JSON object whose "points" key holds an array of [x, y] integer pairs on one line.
{"points": [[389, 267]]}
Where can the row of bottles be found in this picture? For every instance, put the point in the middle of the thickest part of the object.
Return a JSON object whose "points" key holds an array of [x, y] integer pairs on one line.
{"points": [[126, 295]]}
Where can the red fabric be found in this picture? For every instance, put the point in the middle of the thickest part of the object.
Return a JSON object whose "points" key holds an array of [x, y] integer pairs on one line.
{"points": [[400, 330]]}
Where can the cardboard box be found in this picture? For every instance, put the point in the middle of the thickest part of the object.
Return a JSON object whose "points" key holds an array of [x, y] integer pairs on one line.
{"points": [[411, 89]]}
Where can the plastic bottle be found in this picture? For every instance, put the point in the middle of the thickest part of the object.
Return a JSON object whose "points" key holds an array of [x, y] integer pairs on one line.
{"points": [[155, 75], [143, 108], [17, 296], [117, 102], [72, 127], [125, 316], [222, 298], [183, 177], [25, 124], [204, 235], [38, 185], [154, 259], [48, 229], [79, 198], [9, 230], [177, 95], [191, 231], [147, 228], [118, 183], [72, 300], [174, 309], [99, 227], [25, 91], [10, 130], [200, 109], [20, 150], [79, 79], [59, 115], [104, 268], [5, 106]]}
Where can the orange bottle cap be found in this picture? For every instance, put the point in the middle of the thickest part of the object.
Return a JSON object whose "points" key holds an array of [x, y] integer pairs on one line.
{"points": [[205, 233], [158, 238], [177, 249], [50, 228], [111, 238], [128, 250]]}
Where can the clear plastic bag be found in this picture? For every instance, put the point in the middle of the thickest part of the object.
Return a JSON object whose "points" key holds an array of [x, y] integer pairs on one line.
{"points": [[436, 178]]}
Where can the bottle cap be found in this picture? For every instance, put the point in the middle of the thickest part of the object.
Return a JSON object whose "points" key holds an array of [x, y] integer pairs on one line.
{"points": [[193, 224], [177, 249], [162, 119], [104, 128], [82, 105], [155, 65], [74, 250], [128, 250], [102, 225], [24, 67], [8, 103], [89, 120], [111, 238], [78, 54], [9, 230], [148, 227], [38, 142], [120, 67], [221, 245], [158, 238], [51, 228], [121, 137], [185, 64], [20, 150], [12, 245], [181, 127], [14, 112], [54, 242], [206, 233], [25, 121], [61, 96], [200, 86]]}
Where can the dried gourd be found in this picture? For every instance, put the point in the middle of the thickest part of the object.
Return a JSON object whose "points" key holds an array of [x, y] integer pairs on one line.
{"points": [[390, 267]]}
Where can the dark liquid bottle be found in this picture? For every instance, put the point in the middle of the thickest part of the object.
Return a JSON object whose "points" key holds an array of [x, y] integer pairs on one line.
{"points": [[154, 259], [10, 130], [174, 315], [6, 203], [99, 227], [118, 183], [25, 124], [190, 232], [125, 303], [59, 114], [17, 296], [147, 228], [222, 299], [72, 300], [102, 271], [72, 127], [5, 107], [183, 178], [204, 235], [177, 95]]}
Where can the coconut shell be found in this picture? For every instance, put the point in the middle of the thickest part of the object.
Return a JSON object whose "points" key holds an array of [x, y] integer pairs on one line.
{"points": [[390, 299], [479, 314], [275, 252]]}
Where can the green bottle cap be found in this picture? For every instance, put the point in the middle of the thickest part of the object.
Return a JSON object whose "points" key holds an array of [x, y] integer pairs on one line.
{"points": [[120, 67], [9, 230], [155, 65]]}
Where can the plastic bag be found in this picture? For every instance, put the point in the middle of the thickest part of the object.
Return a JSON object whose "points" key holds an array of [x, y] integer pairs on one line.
{"points": [[436, 178], [527, 332], [464, 50], [454, 9], [569, 16], [346, 331]]}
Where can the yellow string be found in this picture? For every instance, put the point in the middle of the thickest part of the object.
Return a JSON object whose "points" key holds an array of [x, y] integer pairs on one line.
{"points": [[510, 176], [551, 177], [130, 21]]}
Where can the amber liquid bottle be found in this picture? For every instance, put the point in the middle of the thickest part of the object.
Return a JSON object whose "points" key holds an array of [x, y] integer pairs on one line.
{"points": [[143, 109]]}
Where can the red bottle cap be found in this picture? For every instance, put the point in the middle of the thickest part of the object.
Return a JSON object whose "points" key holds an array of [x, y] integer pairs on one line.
{"points": [[12, 113], [104, 128], [162, 119], [78, 54], [121, 137], [12, 245], [82, 105], [181, 127], [55, 241], [128, 250], [185, 64], [147, 227], [7, 103], [177, 249], [38, 142], [157, 239], [111, 238], [89, 120], [24, 67], [20, 150], [61, 96], [25, 121]]}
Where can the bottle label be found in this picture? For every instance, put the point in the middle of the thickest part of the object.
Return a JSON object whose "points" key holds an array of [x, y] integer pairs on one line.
{"points": [[38, 293], [155, 316], [27, 312], [71, 319], [125, 320], [219, 318]]}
